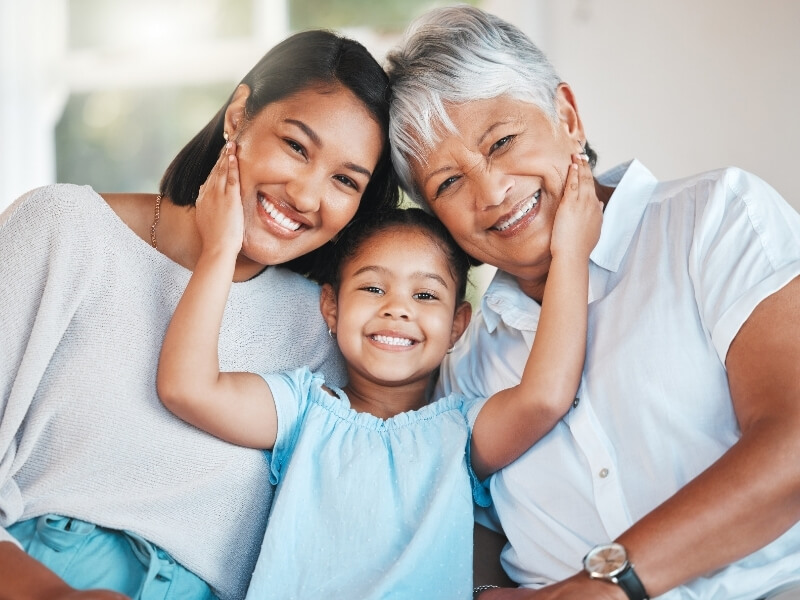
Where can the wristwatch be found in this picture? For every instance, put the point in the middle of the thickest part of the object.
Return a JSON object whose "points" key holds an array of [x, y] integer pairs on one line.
{"points": [[609, 562]]}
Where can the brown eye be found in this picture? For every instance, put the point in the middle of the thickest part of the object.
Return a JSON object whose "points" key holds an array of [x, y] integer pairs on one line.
{"points": [[346, 181], [424, 296], [503, 141], [446, 184], [296, 147]]}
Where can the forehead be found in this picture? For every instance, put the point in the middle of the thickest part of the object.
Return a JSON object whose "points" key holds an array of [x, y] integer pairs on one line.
{"points": [[401, 249], [327, 109], [328, 100], [470, 125]]}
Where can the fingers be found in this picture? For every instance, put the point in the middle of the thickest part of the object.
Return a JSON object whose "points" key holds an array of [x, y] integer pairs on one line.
{"points": [[580, 181], [579, 216], [224, 174], [231, 167]]}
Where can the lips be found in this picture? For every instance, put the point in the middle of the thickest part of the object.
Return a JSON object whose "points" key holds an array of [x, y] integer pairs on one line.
{"points": [[280, 218], [517, 215]]}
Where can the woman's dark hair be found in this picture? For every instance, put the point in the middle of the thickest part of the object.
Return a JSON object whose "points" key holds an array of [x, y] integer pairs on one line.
{"points": [[310, 58], [354, 237]]}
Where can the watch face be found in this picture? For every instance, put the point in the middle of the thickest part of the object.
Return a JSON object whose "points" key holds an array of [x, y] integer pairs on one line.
{"points": [[606, 561]]}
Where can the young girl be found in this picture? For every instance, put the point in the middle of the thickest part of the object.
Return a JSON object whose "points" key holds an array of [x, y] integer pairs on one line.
{"points": [[376, 483]]}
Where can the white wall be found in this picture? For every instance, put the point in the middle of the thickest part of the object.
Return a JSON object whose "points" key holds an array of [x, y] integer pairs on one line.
{"points": [[682, 85]]}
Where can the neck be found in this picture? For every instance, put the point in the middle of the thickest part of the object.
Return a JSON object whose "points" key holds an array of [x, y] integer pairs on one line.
{"points": [[603, 192], [385, 401], [179, 239], [177, 234]]}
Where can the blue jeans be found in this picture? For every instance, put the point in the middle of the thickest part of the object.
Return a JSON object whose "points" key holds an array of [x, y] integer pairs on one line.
{"points": [[88, 556]]}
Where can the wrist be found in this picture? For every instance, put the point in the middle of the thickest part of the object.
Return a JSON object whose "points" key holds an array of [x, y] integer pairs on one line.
{"points": [[609, 564], [219, 253], [597, 589], [569, 256], [478, 590]]}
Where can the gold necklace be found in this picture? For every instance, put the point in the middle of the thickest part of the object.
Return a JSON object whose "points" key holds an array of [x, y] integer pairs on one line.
{"points": [[156, 217]]}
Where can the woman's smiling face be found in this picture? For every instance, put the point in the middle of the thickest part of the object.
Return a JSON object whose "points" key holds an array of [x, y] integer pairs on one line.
{"points": [[497, 182], [304, 164]]}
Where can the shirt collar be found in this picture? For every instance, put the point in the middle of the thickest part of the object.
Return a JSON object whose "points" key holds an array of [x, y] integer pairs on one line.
{"points": [[505, 301], [634, 185]]}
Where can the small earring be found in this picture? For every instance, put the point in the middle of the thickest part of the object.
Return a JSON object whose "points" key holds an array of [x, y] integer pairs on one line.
{"points": [[449, 350], [331, 334], [225, 135]]}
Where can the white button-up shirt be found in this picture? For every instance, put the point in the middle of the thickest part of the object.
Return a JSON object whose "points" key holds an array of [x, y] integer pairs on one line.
{"points": [[678, 269]]}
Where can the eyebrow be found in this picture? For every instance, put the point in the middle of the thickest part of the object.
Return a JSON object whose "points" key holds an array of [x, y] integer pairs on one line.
{"points": [[417, 274], [318, 143], [307, 130], [489, 130], [434, 173]]}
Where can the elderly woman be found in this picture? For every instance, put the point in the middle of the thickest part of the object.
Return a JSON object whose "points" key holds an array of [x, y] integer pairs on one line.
{"points": [[675, 471]]}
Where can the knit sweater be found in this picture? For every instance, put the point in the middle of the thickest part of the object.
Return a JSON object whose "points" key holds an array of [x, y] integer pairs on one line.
{"points": [[84, 304]]}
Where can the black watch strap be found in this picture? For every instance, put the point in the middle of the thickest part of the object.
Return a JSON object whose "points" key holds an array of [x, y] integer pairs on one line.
{"points": [[630, 583]]}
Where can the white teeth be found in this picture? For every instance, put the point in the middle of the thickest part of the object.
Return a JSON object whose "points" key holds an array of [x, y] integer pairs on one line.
{"points": [[279, 217], [392, 341], [523, 210]]}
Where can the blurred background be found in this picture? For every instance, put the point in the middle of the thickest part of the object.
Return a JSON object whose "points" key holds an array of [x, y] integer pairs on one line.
{"points": [[105, 92]]}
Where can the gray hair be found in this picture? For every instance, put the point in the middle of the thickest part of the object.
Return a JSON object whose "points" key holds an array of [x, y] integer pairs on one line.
{"points": [[453, 55]]}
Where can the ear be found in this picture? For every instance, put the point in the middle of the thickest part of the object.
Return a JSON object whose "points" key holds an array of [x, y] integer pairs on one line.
{"points": [[460, 321], [327, 306], [235, 113], [567, 111]]}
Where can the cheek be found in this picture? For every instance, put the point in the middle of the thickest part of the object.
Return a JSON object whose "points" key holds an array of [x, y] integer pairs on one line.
{"points": [[339, 211], [454, 215]]}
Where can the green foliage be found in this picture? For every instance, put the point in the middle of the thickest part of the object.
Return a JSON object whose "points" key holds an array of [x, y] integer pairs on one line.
{"points": [[380, 15]]}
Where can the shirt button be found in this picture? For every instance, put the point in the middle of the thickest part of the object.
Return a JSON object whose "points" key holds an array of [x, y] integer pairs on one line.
{"points": [[603, 473], [576, 402]]}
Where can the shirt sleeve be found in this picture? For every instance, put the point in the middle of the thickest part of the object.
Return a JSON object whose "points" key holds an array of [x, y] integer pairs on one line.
{"points": [[291, 391], [43, 275], [480, 489], [746, 247]]}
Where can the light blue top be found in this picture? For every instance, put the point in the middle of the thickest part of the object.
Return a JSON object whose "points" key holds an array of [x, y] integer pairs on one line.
{"points": [[367, 508]]}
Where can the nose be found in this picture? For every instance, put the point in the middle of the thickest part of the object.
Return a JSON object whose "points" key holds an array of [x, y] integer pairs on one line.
{"points": [[492, 186], [396, 306], [306, 191]]}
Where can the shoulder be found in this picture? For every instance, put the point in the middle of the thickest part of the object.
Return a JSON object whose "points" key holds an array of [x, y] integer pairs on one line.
{"points": [[55, 218], [728, 200], [720, 186], [296, 293], [297, 381], [286, 278], [52, 204]]}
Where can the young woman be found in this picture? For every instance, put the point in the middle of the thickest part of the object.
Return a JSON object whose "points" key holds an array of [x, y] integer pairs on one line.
{"points": [[100, 486], [374, 499]]}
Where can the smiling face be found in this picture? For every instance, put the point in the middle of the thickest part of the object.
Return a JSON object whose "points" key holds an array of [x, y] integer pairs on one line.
{"points": [[395, 311], [497, 183], [304, 163]]}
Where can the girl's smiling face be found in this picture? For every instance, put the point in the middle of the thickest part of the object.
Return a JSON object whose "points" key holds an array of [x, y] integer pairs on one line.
{"points": [[395, 314]]}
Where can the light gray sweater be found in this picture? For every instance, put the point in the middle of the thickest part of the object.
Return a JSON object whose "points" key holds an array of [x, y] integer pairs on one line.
{"points": [[84, 303]]}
